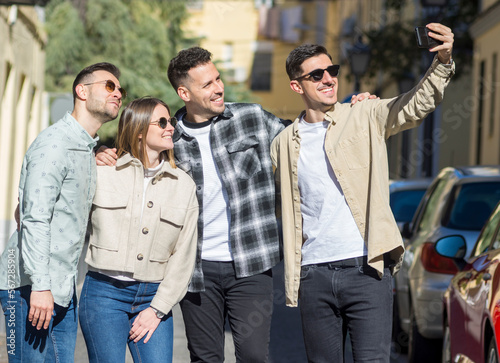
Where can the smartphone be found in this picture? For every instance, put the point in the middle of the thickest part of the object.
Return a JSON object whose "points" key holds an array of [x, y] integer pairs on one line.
{"points": [[423, 38]]}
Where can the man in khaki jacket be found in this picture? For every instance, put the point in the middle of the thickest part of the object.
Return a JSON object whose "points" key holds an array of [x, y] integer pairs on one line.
{"points": [[341, 242]]}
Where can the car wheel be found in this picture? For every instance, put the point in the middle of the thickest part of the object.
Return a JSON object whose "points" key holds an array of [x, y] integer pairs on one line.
{"points": [[492, 352], [446, 353], [421, 349]]}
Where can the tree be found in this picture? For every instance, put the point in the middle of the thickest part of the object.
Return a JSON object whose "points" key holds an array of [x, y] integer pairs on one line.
{"points": [[140, 37]]}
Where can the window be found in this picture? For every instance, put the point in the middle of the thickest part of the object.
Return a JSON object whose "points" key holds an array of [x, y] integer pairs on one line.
{"points": [[261, 72], [480, 112], [404, 204], [493, 93], [471, 205], [431, 209], [484, 240]]}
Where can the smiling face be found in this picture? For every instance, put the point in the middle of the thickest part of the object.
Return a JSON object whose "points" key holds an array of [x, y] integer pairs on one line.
{"points": [[100, 103], [317, 95], [158, 139], [203, 93]]}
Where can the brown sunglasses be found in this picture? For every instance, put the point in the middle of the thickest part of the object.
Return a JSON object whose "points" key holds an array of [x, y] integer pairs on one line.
{"points": [[110, 87]]}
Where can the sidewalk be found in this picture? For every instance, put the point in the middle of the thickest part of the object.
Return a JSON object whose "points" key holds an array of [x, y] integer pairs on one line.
{"points": [[181, 354]]}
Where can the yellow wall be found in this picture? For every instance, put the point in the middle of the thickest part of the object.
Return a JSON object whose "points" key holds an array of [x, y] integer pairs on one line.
{"points": [[220, 23], [22, 63], [485, 46]]}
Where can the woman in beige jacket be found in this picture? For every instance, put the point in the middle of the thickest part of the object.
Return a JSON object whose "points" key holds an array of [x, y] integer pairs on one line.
{"points": [[143, 242]]}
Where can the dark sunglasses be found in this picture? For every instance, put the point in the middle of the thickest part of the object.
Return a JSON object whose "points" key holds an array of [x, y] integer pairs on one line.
{"points": [[317, 74], [162, 122], [110, 87]]}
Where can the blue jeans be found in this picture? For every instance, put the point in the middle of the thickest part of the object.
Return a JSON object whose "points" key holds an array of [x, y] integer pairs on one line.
{"points": [[335, 299], [248, 304], [27, 344], [108, 308]]}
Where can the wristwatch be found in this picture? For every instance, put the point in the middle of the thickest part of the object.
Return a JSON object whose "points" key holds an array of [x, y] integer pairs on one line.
{"points": [[158, 313]]}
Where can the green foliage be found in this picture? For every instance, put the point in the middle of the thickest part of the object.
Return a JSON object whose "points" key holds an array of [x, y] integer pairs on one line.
{"points": [[138, 36], [65, 52]]}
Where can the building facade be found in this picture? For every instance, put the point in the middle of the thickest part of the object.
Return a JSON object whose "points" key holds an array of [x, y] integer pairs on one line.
{"points": [[22, 105], [252, 38], [483, 105]]}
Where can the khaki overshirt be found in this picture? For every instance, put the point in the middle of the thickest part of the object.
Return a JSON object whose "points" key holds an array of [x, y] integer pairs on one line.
{"points": [[356, 149], [161, 246]]}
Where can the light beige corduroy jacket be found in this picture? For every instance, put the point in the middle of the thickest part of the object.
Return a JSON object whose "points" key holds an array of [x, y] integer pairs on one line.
{"points": [[356, 149], [161, 247]]}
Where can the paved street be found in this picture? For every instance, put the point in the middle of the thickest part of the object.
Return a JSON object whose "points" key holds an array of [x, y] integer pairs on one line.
{"points": [[286, 336]]}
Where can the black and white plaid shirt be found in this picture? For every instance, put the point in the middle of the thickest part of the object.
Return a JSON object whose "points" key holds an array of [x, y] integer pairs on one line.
{"points": [[240, 139]]}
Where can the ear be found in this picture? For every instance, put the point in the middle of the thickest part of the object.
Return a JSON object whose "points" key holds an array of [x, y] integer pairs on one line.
{"points": [[296, 87], [183, 93], [81, 91]]}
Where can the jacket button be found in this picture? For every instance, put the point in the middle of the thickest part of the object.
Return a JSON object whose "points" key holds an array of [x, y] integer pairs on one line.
{"points": [[154, 181], [150, 204], [140, 257], [145, 230]]}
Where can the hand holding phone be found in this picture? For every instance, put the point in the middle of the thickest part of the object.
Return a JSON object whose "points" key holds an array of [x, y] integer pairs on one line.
{"points": [[423, 38]]}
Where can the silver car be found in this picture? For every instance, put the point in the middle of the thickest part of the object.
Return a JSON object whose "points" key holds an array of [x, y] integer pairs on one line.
{"points": [[458, 201]]}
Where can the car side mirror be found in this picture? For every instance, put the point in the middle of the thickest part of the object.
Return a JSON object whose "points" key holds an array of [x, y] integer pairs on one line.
{"points": [[454, 247]]}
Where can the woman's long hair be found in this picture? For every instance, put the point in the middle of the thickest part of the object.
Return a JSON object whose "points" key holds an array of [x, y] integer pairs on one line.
{"points": [[134, 121]]}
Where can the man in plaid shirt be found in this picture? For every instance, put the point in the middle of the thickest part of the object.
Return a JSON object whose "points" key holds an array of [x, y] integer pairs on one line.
{"points": [[225, 148]]}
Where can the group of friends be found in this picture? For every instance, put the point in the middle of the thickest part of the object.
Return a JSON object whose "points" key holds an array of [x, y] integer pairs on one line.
{"points": [[189, 208]]}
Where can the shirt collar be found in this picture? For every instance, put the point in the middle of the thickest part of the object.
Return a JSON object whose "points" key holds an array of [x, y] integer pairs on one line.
{"points": [[330, 116], [179, 131], [79, 131], [128, 159]]}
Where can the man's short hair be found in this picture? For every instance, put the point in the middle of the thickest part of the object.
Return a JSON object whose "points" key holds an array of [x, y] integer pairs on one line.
{"points": [[299, 55], [85, 74], [185, 60]]}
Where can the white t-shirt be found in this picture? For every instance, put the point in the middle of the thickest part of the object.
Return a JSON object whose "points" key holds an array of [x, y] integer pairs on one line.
{"points": [[216, 212], [329, 230]]}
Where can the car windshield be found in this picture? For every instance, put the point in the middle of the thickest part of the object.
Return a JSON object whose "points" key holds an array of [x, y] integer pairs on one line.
{"points": [[404, 203], [471, 205]]}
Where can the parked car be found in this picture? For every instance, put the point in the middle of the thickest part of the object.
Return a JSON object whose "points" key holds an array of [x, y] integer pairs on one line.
{"points": [[459, 200], [405, 196], [472, 301]]}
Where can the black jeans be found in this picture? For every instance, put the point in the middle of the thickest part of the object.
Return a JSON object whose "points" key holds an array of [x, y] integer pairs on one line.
{"points": [[335, 299], [248, 304]]}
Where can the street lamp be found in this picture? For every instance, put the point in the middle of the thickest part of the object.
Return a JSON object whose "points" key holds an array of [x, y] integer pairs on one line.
{"points": [[359, 59]]}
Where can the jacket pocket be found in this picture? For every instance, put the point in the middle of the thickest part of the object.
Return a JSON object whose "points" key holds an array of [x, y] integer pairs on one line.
{"points": [[167, 234], [244, 157], [109, 225], [356, 150]]}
